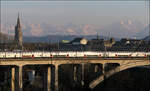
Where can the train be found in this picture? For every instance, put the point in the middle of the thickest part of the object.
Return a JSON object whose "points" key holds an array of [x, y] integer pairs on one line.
{"points": [[71, 54]]}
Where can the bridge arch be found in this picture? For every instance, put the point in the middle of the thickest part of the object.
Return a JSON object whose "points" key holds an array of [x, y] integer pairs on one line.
{"points": [[122, 67]]}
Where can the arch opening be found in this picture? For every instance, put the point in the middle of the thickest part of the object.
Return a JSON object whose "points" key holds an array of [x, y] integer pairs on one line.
{"points": [[135, 78], [98, 80]]}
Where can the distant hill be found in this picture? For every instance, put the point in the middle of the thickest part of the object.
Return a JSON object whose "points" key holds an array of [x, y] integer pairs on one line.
{"points": [[5, 38], [147, 38], [49, 38], [57, 38]]}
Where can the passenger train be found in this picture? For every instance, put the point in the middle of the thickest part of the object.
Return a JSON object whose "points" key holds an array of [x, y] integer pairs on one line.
{"points": [[71, 54]]}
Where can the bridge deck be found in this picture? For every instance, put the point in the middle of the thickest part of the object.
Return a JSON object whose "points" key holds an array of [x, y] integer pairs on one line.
{"points": [[78, 58]]}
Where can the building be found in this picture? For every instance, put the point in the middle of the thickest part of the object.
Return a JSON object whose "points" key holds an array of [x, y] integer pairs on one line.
{"points": [[79, 41], [77, 44], [127, 41], [96, 44], [109, 43], [18, 35]]}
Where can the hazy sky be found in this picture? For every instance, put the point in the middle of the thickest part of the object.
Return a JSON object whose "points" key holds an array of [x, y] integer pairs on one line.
{"points": [[78, 12], [88, 16]]}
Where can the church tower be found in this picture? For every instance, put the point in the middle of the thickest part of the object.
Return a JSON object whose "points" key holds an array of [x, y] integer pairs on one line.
{"points": [[18, 34]]}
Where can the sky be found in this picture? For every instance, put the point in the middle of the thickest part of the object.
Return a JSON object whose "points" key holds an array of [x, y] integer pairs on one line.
{"points": [[62, 13]]}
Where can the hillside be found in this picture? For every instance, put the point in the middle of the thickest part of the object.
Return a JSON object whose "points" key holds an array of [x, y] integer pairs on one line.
{"points": [[50, 38], [147, 38], [5, 38], [57, 38]]}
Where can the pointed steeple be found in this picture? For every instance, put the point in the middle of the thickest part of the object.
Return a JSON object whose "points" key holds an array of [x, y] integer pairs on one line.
{"points": [[18, 34], [18, 21]]}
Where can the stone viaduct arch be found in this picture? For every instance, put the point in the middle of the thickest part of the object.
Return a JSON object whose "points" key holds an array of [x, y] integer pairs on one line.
{"points": [[122, 67], [123, 64]]}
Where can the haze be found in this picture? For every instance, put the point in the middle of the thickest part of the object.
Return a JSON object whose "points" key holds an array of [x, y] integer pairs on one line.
{"points": [[73, 15]]}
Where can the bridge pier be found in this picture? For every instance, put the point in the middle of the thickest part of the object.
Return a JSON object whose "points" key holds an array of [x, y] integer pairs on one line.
{"points": [[12, 79], [75, 73], [20, 85], [96, 68], [49, 79], [56, 78], [82, 82], [103, 69]]}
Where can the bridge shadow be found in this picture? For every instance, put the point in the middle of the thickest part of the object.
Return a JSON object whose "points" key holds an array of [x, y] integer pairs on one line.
{"points": [[5, 77], [71, 76]]}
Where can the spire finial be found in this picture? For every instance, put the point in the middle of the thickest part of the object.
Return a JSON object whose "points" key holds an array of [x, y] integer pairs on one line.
{"points": [[18, 20]]}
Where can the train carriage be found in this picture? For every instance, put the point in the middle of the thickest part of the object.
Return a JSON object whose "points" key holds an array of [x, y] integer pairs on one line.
{"points": [[45, 54], [2, 54], [87, 54]]}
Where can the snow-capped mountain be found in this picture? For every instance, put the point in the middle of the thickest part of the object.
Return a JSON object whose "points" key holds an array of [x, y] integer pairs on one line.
{"points": [[123, 28], [126, 28], [144, 32]]}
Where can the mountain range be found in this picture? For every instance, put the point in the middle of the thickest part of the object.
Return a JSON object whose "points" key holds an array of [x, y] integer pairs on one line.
{"points": [[49, 32], [126, 29], [120, 29]]}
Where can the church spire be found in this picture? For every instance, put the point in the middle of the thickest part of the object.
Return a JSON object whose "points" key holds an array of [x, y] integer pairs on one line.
{"points": [[18, 34], [18, 21]]}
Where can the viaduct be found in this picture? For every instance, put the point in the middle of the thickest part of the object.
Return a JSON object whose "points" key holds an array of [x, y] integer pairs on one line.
{"points": [[17, 65]]}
